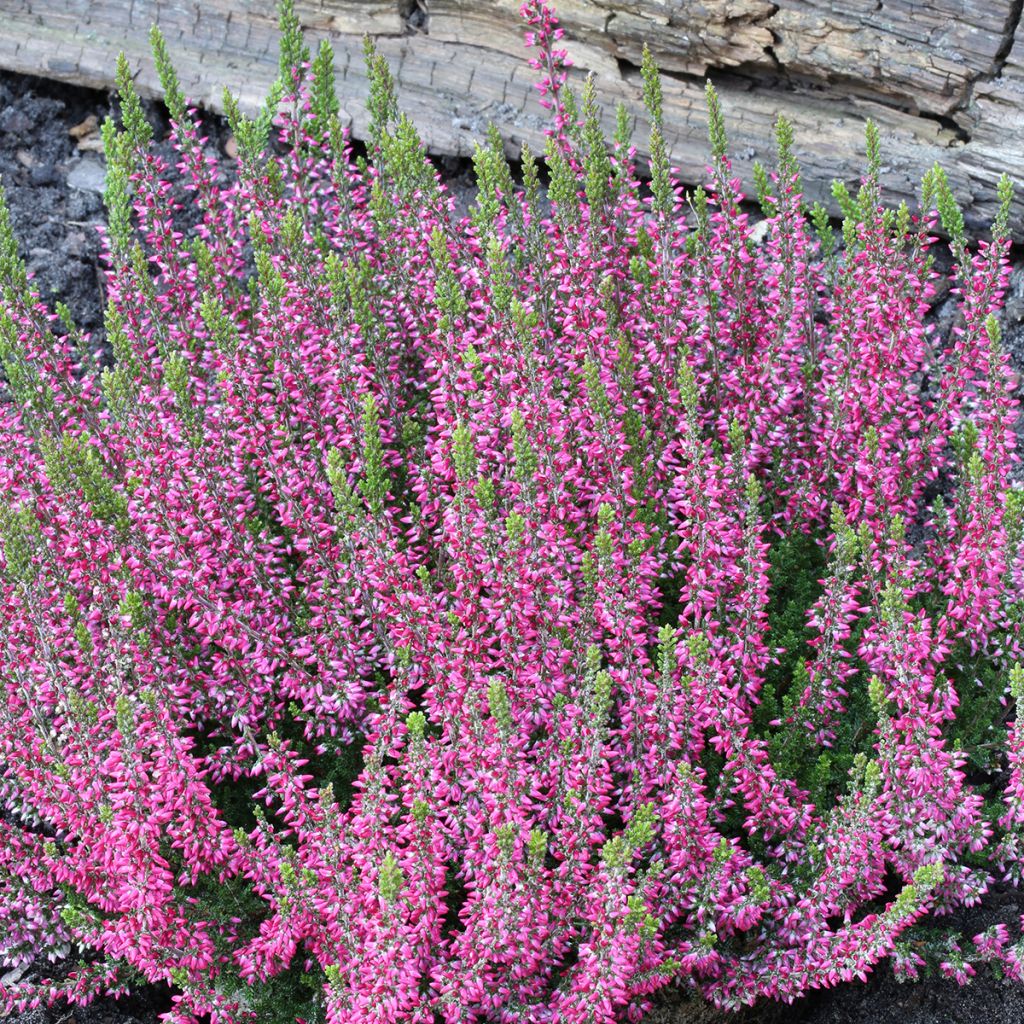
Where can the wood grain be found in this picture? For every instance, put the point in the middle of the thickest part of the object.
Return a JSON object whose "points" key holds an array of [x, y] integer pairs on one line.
{"points": [[944, 80]]}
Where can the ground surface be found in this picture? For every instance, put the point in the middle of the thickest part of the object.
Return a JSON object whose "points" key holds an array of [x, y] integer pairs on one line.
{"points": [[52, 171]]}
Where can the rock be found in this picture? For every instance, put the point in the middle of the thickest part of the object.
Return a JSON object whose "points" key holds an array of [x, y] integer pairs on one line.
{"points": [[1014, 312], [82, 205], [43, 174], [15, 121], [75, 244], [87, 127], [88, 175], [13, 976]]}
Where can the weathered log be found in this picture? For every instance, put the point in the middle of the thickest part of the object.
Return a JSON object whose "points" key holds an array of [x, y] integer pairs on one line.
{"points": [[943, 80]]}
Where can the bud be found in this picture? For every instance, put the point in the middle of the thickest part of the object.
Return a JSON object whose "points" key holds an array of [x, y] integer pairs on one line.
{"points": [[501, 712], [390, 880], [700, 649], [485, 494], [760, 891], [505, 835], [374, 483], [522, 450], [124, 716], [641, 827], [876, 694], [1017, 686], [537, 846], [463, 455], [514, 527]]}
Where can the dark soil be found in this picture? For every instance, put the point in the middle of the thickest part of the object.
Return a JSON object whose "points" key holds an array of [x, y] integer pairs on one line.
{"points": [[883, 999], [52, 172], [53, 190]]}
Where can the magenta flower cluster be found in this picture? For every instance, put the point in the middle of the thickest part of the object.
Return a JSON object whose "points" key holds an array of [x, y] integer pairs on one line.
{"points": [[487, 507]]}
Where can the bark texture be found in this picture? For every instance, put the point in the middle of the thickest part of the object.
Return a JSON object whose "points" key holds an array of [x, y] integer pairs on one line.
{"points": [[943, 79]]}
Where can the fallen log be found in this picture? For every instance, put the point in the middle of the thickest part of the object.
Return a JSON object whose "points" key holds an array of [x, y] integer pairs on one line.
{"points": [[944, 81]]}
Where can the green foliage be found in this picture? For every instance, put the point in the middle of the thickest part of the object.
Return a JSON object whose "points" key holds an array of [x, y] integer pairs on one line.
{"points": [[563, 189], [619, 850], [950, 214], [490, 166], [596, 164], [174, 98], [448, 295], [293, 51], [1004, 190], [497, 702], [716, 125], [382, 101], [374, 483], [797, 562], [295, 993], [763, 187], [116, 196], [21, 537], [661, 184], [177, 377], [75, 464], [13, 279], [391, 879], [980, 682], [522, 449], [789, 170], [137, 131]]}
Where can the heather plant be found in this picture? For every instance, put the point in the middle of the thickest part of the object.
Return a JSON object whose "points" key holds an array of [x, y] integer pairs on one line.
{"points": [[502, 619]]}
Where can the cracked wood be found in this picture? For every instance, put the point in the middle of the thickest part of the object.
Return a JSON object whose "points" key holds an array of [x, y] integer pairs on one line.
{"points": [[944, 80]]}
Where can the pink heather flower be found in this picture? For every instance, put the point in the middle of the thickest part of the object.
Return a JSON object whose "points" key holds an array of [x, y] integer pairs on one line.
{"points": [[402, 605]]}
